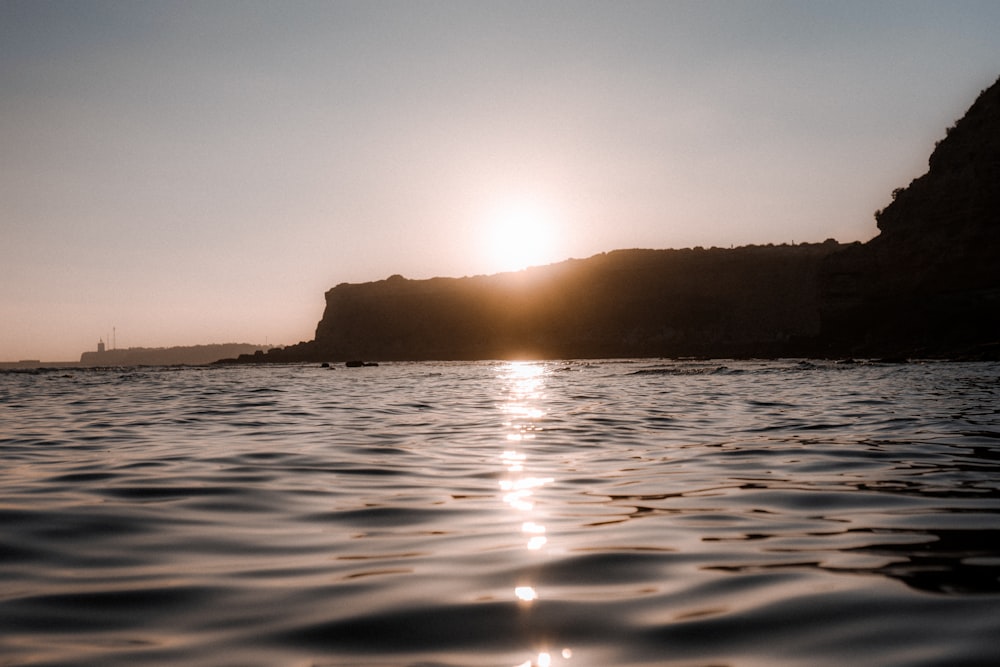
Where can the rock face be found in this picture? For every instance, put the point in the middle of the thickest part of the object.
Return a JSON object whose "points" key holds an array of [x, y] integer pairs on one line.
{"points": [[927, 285], [748, 301]]}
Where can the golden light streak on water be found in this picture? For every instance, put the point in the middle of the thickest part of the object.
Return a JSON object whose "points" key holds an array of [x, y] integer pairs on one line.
{"points": [[525, 389]]}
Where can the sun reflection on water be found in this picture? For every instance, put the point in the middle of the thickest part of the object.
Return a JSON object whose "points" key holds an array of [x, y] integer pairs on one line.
{"points": [[544, 659], [525, 387], [526, 593]]}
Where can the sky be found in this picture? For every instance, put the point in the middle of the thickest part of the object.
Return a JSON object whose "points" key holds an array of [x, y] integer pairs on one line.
{"points": [[180, 173]]}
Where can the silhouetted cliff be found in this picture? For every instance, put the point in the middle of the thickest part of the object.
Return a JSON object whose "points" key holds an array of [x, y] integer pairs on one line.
{"points": [[749, 301], [927, 285], [752, 300]]}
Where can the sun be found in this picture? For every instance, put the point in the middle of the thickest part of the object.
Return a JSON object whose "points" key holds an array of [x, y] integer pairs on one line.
{"points": [[520, 233]]}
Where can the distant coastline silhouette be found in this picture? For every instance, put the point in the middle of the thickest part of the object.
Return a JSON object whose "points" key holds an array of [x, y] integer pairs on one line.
{"points": [[166, 356], [927, 286]]}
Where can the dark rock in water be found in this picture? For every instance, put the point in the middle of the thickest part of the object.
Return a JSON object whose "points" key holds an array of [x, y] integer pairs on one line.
{"points": [[354, 363], [927, 286]]}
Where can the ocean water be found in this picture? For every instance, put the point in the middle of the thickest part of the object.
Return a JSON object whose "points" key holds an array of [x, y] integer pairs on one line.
{"points": [[557, 514]]}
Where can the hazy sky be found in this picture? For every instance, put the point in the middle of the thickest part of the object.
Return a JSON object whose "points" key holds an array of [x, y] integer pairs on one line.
{"points": [[199, 172]]}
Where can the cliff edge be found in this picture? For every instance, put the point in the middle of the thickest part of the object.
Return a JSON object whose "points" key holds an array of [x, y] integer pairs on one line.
{"points": [[928, 285]]}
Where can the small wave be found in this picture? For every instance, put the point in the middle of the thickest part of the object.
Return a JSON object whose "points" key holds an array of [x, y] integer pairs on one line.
{"points": [[640, 512]]}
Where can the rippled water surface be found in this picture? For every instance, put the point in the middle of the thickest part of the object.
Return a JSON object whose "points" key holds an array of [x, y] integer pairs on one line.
{"points": [[502, 514]]}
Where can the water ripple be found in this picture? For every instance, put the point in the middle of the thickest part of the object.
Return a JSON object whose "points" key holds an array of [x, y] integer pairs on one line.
{"points": [[570, 514]]}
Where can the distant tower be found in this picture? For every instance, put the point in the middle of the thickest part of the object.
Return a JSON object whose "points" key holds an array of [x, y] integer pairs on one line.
{"points": [[100, 346]]}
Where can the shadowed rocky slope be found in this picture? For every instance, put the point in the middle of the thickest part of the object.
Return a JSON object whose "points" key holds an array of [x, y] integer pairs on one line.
{"points": [[747, 301], [927, 285]]}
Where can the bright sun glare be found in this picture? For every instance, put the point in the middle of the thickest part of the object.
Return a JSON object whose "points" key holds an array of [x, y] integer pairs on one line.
{"points": [[521, 234]]}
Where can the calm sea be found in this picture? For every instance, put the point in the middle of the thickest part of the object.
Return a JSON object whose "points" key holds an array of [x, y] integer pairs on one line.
{"points": [[558, 514]]}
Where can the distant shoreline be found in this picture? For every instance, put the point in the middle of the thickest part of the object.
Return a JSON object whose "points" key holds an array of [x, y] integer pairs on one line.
{"points": [[178, 355]]}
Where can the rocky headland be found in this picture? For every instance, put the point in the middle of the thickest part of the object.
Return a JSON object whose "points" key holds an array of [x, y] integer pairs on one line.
{"points": [[927, 286], [929, 283]]}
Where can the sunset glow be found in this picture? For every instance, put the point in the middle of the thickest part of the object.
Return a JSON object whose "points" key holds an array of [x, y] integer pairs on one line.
{"points": [[275, 150], [521, 233]]}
